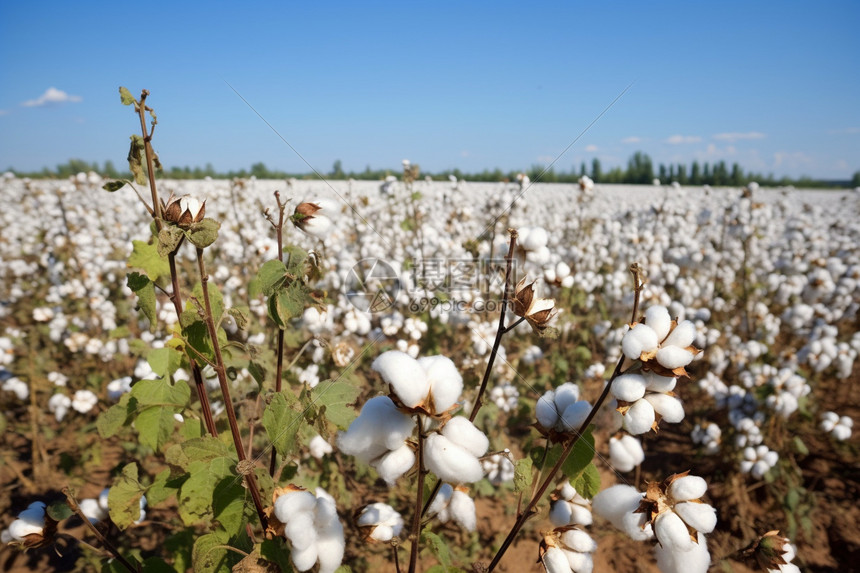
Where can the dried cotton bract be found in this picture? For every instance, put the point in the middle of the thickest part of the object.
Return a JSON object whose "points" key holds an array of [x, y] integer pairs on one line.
{"points": [[537, 311]]}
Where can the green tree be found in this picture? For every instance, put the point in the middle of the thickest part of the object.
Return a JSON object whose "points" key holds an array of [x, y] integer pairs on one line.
{"points": [[640, 169], [337, 170], [695, 174], [855, 181], [596, 173]]}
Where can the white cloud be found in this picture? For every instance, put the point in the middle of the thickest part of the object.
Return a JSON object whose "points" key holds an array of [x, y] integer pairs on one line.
{"points": [[631, 139], [52, 96], [679, 139], [4, 111], [591, 148], [735, 136], [465, 153], [795, 159]]}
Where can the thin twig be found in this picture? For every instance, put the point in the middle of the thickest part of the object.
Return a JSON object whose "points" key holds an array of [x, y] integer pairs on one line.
{"points": [[416, 520], [73, 505]]}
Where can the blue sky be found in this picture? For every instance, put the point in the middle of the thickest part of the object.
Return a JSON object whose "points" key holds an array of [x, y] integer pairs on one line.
{"points": [[774, 86]]}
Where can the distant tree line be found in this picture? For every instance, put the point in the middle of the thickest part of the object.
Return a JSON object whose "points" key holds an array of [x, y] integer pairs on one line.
{"points": [[640, 169]]}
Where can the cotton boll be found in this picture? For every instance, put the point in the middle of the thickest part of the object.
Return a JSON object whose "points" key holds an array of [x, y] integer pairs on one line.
{"points": [[304, 558], [384, 520], [30, 521], [441, 501], [293, 503], [330, 547], [672, 533], [629, 387], [300, 530], [575, 414], [580, 562], [565, 395], [407, 379], [395, 463], [700, 516], [697, 560], [93, 510], [579, 541], [687, 488], [446, 383], [466, 435], [545, 410], [450, 462], [560, 512], [683, 335], [672, 357], [669, 407], [657, 317], [657, 383], [462, 510], [555, 561], [379, 427], [637, 340], [639, 418], [617, 504], [623, 455]]}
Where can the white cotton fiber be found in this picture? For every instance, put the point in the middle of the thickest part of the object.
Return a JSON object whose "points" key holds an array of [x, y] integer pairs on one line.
{"points": [[578, 541], [555, 561], [406, 377], [300, 530], [446, 383], [395, 463], [629, 387], [697, 560], [464, 433], [574, 415], [639, 417], [450, 462], [657, 383], [546, 411], [305, 558], [700, 516], [683, 335], [672, 533], [672, 357], [565, 395], [669, 407], [462, 510], [687, 488], [617, 504], [657, 317], [293, 503], [638, 339]]}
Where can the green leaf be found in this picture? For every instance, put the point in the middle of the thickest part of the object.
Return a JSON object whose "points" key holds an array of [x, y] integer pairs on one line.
{"points": [[125, 96], [799, 446], [522, 474], [156, 565], [580, 457], [164, 361], [541, 460], [437, 547], [240, 316], [338, 397], [111, 420], [145, 256], [135, 159], [276, 551], [588, 483], [124, 497], [205, 449], [197, 492], [157, 401], [228, 504], [59, 510], [282, 422], [211, 555], [296, 258], [169, 238], [145, 290], [204, 233], [178, 545], [258, 373], [112, 186], [161, 488], [216, 300], [270, 276]]}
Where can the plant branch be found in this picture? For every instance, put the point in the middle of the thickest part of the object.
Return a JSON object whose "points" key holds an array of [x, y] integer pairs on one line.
{"points": [[416, 520], [279, 369], [73, 505], [225, 391]]}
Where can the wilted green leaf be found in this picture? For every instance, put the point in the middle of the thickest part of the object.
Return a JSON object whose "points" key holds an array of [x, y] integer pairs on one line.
{"points": [[59, 510], [204, 233], [125, 96], [282, 421], [145, 291], [270, 276], [211, 555], [168, 239], [240, 316], [135, 159], [124, 497], [437, 547], [112, 186], [145, 256], [522, 474], [338, 397]]}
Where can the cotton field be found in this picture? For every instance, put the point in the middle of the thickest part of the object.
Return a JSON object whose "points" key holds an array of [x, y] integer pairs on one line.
{"points": [[726, 402]]}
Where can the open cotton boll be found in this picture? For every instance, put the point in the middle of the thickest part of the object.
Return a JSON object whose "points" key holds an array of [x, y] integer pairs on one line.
{"points": [[700, 516], [697, 560], [687, 488], [384, 520], [683, 335], [450, 462], [637, 340], [669, 407], [466, 435], [574, 415], [639, 418], [330, 547], [579, 562], [294, 503], [629, 387], [446, 383], [300, 529], [93, 510], [555, 561], [672, 357], [579, 541], [441, 501], [304, 558], [462, 510], [380, 426], [671, 532], [30, 521], [405, 376], [656, 383], [657, 317], [620, 457], [395, 463], [617, 504], [545, 410], [565, 395]]}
